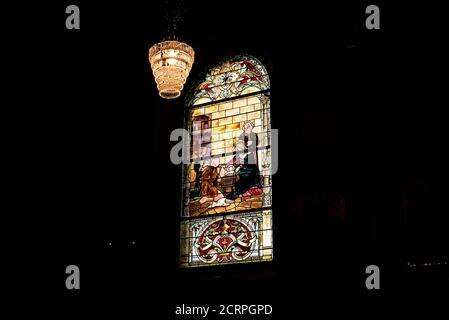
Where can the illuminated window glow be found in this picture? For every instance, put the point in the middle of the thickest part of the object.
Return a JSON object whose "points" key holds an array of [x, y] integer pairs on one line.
{"points": [[226, 216]]}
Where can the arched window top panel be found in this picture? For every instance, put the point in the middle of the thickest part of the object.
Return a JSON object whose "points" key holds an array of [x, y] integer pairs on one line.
{"points": [[236, 76]]}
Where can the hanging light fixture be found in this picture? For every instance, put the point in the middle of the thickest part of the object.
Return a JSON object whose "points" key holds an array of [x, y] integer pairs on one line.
{"points": [[171, 60]]}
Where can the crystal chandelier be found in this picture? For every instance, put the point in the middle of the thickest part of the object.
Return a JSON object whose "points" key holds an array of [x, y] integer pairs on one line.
{"points": [[171, 62]]}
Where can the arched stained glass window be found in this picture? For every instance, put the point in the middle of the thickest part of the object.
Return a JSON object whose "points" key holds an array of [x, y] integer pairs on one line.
{"points": [[226, 216]]}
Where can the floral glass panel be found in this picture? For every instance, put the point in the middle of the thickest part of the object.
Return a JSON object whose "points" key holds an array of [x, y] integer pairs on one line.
{"points": [[231, 239], [234, 77]]}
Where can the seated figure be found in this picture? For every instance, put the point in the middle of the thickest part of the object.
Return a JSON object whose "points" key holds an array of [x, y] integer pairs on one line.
{"points": [[246, 163]]}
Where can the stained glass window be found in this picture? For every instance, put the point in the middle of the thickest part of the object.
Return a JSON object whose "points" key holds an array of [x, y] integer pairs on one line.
{"points": [[227, 216]]}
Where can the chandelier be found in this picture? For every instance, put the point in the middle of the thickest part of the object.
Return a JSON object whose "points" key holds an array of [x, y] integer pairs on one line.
{"points": [[171, 62]]}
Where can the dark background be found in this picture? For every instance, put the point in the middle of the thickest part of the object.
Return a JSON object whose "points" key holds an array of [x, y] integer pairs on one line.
{"points": [[362, 163]]}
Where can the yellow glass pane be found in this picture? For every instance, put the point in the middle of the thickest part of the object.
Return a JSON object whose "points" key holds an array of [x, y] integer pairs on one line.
{"points": [[253, 115], [217, 130], [219, 114], [253, 100], [239, 118], [227, 135], [247, 109], [232, 112], [229, 143], [233, 126], [198, 112], [225, 121], [212, 108], [201, 101], [250, 90], [225, 106], [240, 103]]}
